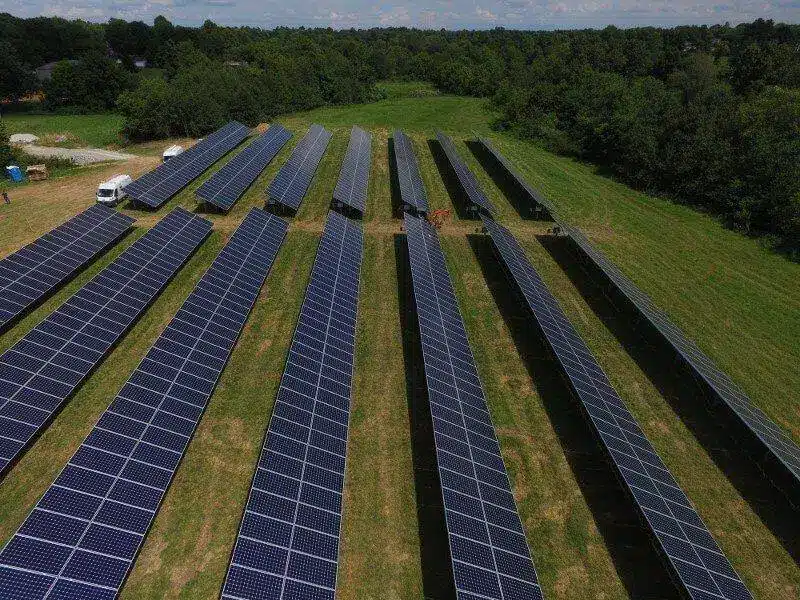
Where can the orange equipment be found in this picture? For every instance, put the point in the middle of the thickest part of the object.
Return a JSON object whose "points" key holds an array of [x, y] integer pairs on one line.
{"points": [[437, 218]]}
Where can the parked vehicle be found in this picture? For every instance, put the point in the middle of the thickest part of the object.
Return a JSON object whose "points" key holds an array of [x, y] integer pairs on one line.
{"points": [[112, 192], [172, 152]]}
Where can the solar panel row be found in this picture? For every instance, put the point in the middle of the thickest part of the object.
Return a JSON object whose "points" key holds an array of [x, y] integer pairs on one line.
{"points": [[39, 372], [412, 190], [772, 439], [288, 542], [351, 189], [489, 551], [700, 567], [166, 180], [535, 197], [465, 177], [81, 539], [30, 274], [292, 181], [228, 184]]}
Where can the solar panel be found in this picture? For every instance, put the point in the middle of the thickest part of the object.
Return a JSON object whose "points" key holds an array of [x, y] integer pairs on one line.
{"points": [[228, 184], [166, 180], [771, 439], [33, 272], [292, 181], [412, 190], [488, 548], [465, 177], [536, 198], [700, 568], [82, 537], [351, 189], [40, 371], [288, 542]]}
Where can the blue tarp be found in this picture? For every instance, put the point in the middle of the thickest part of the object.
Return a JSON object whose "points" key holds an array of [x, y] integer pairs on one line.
{"points": [[14, 173]]}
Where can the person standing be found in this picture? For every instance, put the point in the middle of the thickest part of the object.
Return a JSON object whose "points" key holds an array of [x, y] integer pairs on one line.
{"points": [[6, 199]]}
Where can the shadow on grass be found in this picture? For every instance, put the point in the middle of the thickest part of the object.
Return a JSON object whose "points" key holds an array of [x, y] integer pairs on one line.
{"points": [[279, 210], [505, 182], [394, 183], [208, 209], [437, 577], [636, 560], [721, 435], [458, 198]]}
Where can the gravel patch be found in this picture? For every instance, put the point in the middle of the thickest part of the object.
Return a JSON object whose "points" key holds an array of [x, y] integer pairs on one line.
{"points": [[23, 138], [79, 156]]}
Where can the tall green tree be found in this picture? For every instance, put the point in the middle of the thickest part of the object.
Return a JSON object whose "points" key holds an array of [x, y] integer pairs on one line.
{"points": [[93, 84], [5, 148]]}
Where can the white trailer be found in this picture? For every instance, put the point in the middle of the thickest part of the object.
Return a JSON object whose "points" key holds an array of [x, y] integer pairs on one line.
{"points": [[171, 152]]}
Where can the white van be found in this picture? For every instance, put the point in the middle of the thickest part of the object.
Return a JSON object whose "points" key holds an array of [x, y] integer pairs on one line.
{"points": [[111, 192], [171, 152]]}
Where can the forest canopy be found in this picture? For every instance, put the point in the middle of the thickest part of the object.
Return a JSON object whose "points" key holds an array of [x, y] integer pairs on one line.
{"points": [[709, 116]]}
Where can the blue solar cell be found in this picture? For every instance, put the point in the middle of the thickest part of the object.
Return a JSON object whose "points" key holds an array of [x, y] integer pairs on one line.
{"points": [[412, 190], [680, 534], [228, 184], [466, 178], [30, 274], [471, 506], [292, 181], [351, 188], [57, 348], [134, 449], [303, 459], [775, 442], [166, 180]]}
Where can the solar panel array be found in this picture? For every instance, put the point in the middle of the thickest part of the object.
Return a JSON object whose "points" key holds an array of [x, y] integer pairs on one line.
{"points": [[288, 542], [39, 372], [226, 186], [701, 568], [81, 539], [534, 195], [351, 189], [489, 551], [412, 190], [30, 274], [466, 178], [166, 180], [290, 185], [773, 440]]}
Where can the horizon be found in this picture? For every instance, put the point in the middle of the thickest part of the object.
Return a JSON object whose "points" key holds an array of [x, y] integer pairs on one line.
{"points": [[452, 15]]}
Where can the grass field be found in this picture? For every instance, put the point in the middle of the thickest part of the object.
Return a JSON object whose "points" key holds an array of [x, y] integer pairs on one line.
{"points": [[736, 300], [96, 131]]}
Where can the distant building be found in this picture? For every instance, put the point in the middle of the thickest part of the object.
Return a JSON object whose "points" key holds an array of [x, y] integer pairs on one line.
{"points": [[45, 72], [140, 63], [236, 63]]}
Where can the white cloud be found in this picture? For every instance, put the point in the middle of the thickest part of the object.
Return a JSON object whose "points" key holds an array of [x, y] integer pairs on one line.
{"points": [[394, 16], [454, 14], [485, 14]]}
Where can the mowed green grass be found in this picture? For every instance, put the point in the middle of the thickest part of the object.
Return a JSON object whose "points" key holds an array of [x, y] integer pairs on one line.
{"points": [[735, 299], [98, 130]]}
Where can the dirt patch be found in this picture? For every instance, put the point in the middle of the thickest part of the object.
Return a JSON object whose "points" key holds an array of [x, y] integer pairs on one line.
{"points": [[40, 206], [183, 574], [570, 579]]}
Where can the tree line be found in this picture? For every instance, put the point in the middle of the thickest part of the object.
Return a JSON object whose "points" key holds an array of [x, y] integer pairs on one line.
{"points": [[709, 116]]}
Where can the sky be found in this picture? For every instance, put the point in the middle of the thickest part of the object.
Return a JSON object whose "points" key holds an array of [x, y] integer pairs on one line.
{"points": [[431, 14]]}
